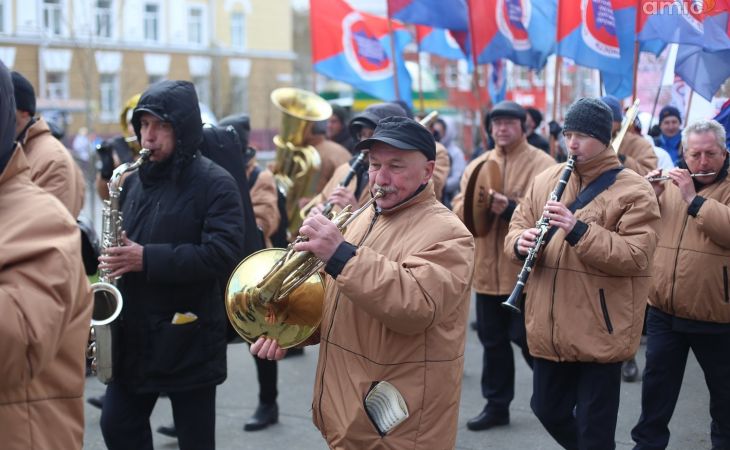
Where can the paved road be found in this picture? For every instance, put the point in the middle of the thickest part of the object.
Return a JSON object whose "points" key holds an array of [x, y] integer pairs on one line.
{"points": [[237, 399]]}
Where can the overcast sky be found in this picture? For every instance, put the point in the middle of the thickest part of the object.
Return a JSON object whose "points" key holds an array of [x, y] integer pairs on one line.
{"points": [[372, 6]]}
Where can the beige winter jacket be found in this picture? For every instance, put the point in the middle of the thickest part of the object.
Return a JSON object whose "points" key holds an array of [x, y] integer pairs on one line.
{"points": [[587, 300], [496, 274], [639, 153], [52, 167], [45, 311], [265, 201], [397, 312], [693, 255]]}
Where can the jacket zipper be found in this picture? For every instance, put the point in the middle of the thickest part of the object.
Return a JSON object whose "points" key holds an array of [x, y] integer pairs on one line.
{"points": [[555, 282], [676, 258], [604, 308], [724, 280], [329, 329]]}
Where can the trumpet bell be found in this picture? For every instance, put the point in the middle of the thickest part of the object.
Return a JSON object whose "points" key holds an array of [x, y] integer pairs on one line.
{"points": [[290, 321]]}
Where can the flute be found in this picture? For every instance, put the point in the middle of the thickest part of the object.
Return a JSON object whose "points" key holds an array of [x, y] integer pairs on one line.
{"points": [[666, 177]]}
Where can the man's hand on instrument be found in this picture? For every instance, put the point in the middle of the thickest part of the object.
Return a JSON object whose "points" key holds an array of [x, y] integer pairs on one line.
{"points": [[657, 185], [527, 240], [265, 348], [323, 237], [342, 197], [122, 259], [559, 216], [499, 202], [316, 209], [682, 179]]}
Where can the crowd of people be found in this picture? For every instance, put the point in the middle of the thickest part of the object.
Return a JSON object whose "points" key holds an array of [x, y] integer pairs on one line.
{"points": [[635, 243]]}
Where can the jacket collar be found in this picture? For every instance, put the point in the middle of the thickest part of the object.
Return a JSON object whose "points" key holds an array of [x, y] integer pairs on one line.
{"points": [[591, 169], [515, 149], [36, 128], [424, 193]]}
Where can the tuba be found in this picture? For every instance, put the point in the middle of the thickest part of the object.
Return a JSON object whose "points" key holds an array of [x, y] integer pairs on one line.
{"points": [[107, 298], [296, 167], [284, 302]]}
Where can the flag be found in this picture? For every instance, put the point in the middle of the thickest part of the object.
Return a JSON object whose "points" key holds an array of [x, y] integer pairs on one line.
{"points": [[438, 41], [522, 31], [724, 118], [447, 14], [703, 70], [588, 34], [497, 84], [700, 23], [354, 48]]}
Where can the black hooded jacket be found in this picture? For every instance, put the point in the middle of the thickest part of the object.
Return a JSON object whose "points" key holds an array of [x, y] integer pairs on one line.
{"points": [[186, 212], [7, 117]]}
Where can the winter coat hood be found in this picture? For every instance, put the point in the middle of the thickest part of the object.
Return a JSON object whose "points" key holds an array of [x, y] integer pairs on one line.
{"points": [[175, 102]]}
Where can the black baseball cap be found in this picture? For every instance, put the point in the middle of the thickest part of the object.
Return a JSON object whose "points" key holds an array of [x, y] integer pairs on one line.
{"points": [[404, 134]]}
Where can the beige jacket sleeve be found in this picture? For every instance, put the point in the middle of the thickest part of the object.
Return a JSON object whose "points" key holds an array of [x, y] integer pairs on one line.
{"points": [[264, 199], [440, 170], [639, 153], [713, 219]]}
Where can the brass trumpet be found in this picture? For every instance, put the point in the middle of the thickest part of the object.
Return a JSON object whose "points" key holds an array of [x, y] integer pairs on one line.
{"points": [[284, 302]]}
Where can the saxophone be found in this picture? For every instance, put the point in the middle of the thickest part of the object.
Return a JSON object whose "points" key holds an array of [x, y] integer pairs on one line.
{"points": [[107, 298]]}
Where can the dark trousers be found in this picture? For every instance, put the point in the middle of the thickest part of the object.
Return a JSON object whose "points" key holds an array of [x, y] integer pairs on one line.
{"points": [[266, 371], [125, 418], [666, 358], [577, 402], [497, 327]]}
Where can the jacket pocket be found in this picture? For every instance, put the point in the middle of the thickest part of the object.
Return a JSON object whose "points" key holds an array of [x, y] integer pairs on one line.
{"points": [[724, 282], [604, 308], [175, 348]]}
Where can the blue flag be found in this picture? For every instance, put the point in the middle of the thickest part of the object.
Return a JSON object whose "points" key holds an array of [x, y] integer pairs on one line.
{"points": [[448, 14], [703, 70]]}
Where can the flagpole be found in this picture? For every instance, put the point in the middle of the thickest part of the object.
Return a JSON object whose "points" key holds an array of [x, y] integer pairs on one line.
{"points": [[659, 90], [420, 72], [689, 104], [556, 94], [394, 58], [601, 90], [475, 80]]}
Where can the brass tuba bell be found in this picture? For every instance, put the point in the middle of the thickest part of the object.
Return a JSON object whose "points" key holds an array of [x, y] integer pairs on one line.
{"points": [[296, 167], [279, 293]]}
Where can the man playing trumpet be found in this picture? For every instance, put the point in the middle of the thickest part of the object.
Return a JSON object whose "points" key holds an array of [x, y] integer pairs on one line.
{"points": [[396, 301]]}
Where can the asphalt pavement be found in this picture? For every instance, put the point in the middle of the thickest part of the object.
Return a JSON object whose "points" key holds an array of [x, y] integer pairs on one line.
{"points": [[237, 399]]}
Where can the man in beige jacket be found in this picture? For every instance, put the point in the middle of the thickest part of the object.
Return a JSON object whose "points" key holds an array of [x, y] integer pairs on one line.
{"points": [[495, 273], [396, 302], [45, 305], [587, 291], [51, 165], [690, 305]]}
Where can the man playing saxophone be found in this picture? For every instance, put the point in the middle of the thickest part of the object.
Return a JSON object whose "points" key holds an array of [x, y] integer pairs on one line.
{"points": [[183, 229], [396, 302], [588, 289]]}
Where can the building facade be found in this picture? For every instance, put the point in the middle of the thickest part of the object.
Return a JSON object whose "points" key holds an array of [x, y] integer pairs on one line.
{"points": [[87, 57]]}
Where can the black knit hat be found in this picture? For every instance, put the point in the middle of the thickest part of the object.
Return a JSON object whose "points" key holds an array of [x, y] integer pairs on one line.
{"points": [[404, 134], [669, 111], [591, 117], [24, 94], [506, 109]]}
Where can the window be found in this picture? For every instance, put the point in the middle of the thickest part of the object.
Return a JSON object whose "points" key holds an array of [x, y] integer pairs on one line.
{"points": [[56, 86], [151, 22], [104, 18], [195, 26], [202, 87], [239, 95], [52, 17], [2, 16], [238, 30], [109, 104]]}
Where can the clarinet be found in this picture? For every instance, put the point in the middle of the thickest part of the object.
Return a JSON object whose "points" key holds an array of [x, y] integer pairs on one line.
{"points": [[543, 225]]}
